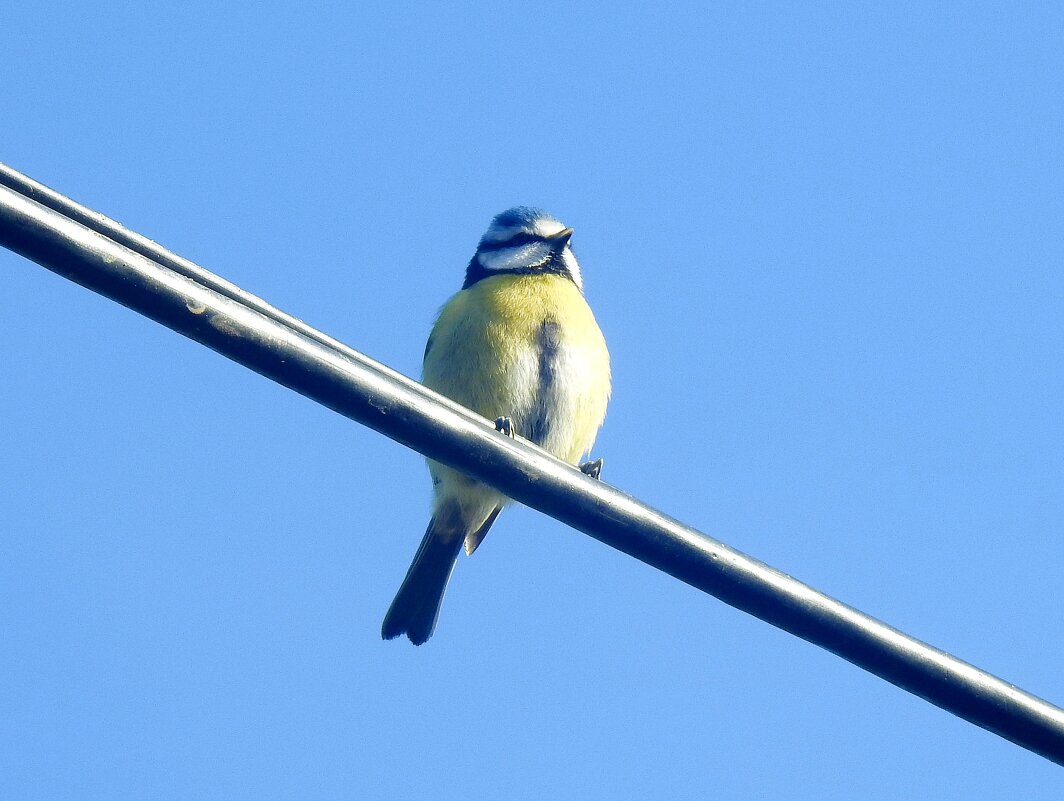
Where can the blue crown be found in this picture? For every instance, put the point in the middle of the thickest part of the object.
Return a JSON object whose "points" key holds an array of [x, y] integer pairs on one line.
{"points": [[520, 216]]}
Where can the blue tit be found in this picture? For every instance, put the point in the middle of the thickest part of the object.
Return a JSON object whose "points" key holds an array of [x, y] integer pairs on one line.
{"points": [[517, 344]]}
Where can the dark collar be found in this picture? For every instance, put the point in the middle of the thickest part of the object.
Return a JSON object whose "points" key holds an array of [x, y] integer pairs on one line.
{"points": [[554, 266]]}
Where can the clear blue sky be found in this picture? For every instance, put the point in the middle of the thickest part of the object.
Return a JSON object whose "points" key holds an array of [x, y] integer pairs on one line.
{"points": [[825, 246]]}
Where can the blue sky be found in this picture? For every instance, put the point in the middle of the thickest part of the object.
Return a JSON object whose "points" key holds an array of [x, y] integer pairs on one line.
{"points": [[824, 244]]}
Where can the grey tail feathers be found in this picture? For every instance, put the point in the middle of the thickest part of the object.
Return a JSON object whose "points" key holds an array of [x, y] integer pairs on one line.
{"points": [[417, 604]]}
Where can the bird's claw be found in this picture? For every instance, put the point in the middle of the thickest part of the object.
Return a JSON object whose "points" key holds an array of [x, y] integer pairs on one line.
{"points": [[504, 426], [592, 469]]}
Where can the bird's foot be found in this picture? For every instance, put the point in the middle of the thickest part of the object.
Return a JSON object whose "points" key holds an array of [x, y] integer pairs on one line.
{"points": [[592, 469], [504, 426]]}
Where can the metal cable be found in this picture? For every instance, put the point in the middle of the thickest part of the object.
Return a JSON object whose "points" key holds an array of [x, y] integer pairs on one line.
{"points": [[318, 367]]}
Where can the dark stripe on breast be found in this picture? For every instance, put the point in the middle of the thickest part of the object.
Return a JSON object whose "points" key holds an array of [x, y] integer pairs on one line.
{"points": [[549, 342]]}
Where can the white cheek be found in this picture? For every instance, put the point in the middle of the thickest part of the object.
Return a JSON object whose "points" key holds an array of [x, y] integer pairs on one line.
{"points": [[515, 258]]}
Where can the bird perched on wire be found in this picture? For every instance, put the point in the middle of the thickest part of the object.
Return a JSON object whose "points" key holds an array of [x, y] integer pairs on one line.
{"points": [[519, 345]]}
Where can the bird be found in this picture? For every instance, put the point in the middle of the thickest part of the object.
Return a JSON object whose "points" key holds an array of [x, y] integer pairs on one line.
{"points": [[519, 345]]}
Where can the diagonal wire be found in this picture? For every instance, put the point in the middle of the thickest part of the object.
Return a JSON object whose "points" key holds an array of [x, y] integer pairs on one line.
{"points": [[215, 313], [116, 232]]}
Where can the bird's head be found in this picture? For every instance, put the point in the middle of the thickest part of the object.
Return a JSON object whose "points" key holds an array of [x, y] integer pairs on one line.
{"points": [[522, 241]]}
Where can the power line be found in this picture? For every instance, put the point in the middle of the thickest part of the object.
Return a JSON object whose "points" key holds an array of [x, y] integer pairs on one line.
{"points": [[101, 255], [93, 220]]}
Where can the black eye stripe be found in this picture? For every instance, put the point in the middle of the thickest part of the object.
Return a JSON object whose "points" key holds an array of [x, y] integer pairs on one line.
{"points": [[517, 240]]}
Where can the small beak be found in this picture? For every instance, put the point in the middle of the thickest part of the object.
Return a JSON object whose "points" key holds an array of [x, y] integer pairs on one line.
{"points": [[561, 239]]}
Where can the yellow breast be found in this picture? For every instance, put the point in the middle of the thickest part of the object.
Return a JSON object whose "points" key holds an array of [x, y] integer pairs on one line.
{"points": [[486, 353]]}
